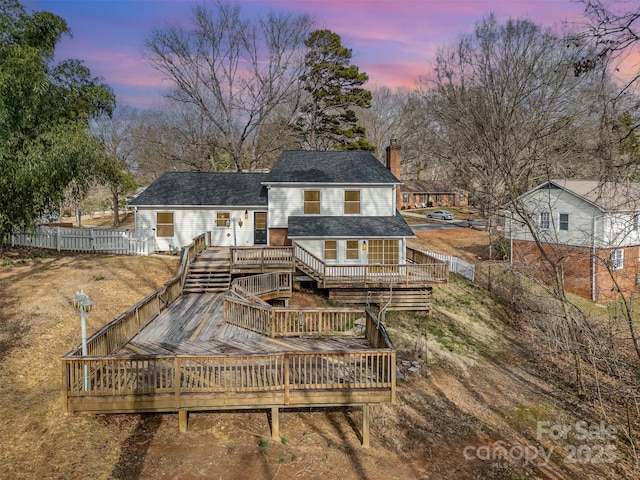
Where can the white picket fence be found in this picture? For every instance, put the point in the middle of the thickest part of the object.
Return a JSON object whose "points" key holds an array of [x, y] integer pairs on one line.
{"points": [[456, 265], [104, 240]]}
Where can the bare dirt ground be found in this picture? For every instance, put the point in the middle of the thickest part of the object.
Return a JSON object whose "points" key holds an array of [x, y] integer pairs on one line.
{"points": [[479, 388]]}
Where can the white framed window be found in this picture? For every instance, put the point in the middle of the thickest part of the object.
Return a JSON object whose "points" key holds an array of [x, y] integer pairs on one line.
{"points": [[617, 259], [353, 250], [635, 221], [563, 222], [352, 202], [544, 220], [164, 224], [312, 202], [223, 219], [330, 250]]}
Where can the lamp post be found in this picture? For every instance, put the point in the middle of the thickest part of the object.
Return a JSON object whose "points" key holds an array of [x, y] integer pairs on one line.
{"points": [[83, 305], [235, 221]]}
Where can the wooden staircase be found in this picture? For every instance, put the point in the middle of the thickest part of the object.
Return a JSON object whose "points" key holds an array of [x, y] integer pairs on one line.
{"points": [[210, 272]]}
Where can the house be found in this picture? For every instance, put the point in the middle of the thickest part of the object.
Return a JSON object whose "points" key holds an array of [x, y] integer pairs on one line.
{"points": [[341, 206], [430, 193], [591, 227]]}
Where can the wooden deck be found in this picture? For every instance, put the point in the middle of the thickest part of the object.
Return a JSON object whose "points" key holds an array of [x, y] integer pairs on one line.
{"points": [[174, 352], [194, 325]]}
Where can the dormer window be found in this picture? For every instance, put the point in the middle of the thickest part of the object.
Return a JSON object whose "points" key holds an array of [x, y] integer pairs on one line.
{"points": [[312, 202], [352, 202]]}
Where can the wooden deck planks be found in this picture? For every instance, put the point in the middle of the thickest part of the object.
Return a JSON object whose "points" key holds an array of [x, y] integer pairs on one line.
{"points": [[194, 325]]}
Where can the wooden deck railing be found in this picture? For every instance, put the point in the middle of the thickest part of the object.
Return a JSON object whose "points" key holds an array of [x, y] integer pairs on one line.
{"points": [[321, 322], [309, 263], [170, 383], [121, 330], [275, 283], [241, 309], [261, 259], [333, 276]]}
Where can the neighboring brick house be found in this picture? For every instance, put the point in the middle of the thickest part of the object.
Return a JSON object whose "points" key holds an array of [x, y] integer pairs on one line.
{"points": [[430, 193], [590, 227]]}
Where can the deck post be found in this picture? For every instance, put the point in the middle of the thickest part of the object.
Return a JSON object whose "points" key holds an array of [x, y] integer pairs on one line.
{"points": [[183, 420], [365, 425], [275, 423]]}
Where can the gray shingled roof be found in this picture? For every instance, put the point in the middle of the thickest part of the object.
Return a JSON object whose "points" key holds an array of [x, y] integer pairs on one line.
{"points": [[205, 189], [348, 227], [344, 167]]}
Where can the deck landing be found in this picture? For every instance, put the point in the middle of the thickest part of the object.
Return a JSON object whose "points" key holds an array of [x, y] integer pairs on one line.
{"points": [[194, 325]]}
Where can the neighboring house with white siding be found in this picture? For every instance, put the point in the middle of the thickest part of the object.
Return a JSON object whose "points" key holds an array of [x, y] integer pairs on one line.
{"points": [[339, 205], [592, 228]]}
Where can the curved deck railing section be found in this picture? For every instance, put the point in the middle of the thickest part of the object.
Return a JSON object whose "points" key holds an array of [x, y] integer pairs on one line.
{"points": [[244, 308], [121, 330]]}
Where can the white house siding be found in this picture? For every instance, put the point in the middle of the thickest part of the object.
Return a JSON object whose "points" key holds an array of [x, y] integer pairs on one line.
{"points": [[289, 201], [189, 223], [557, 201], [316, 247]]}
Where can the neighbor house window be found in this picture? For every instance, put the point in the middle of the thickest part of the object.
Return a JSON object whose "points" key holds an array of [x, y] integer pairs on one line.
{"points": [[405, 197], [223, 219], [353, 250], [351, 202], [164, 224], [462, 197], [312, 202], [452, 198], [617, 259], [636, 221], [563, 224], [545, 219], [330, 250]]}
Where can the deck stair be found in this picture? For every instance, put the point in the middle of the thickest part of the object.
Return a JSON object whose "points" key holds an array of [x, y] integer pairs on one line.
{"points": [[210, 272]]}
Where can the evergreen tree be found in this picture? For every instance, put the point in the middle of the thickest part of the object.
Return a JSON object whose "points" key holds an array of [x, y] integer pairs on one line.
{"points": [[334, 88]]}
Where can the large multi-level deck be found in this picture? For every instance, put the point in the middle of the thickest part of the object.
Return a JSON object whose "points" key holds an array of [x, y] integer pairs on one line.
{"points": [[175, 352]]}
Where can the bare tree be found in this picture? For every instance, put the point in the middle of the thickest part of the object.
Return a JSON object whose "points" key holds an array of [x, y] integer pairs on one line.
{"points": [[236, 71], [501, 103], [178, 137], [115, 170]]}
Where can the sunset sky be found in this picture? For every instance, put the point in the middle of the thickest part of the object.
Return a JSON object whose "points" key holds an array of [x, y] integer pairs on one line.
{"points": [[392, 41]]}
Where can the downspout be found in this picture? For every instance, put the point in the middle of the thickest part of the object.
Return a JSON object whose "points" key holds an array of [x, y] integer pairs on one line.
{"points": [[593, 257]]}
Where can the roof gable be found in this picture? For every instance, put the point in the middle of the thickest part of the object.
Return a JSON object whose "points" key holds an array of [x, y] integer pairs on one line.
{"points": [[205, 189], [606, 196], [342, 167]]}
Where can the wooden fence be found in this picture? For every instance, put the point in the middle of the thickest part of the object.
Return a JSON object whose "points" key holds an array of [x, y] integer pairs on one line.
{"points": [[121, 330], [103, 240], [455, 264]]}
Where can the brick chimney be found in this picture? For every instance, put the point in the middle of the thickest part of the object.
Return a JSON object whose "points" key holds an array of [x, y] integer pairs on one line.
{"points": [[393, 164]]}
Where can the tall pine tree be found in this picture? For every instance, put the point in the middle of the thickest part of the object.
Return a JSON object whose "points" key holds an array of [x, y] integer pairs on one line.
{"points": [[334, 88]]}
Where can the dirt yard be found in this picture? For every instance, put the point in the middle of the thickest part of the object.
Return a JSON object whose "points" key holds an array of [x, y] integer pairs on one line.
{"points": [[477, 384]]}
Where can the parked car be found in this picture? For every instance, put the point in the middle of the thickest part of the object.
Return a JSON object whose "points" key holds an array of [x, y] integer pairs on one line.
{"points": [[441, 214]]}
